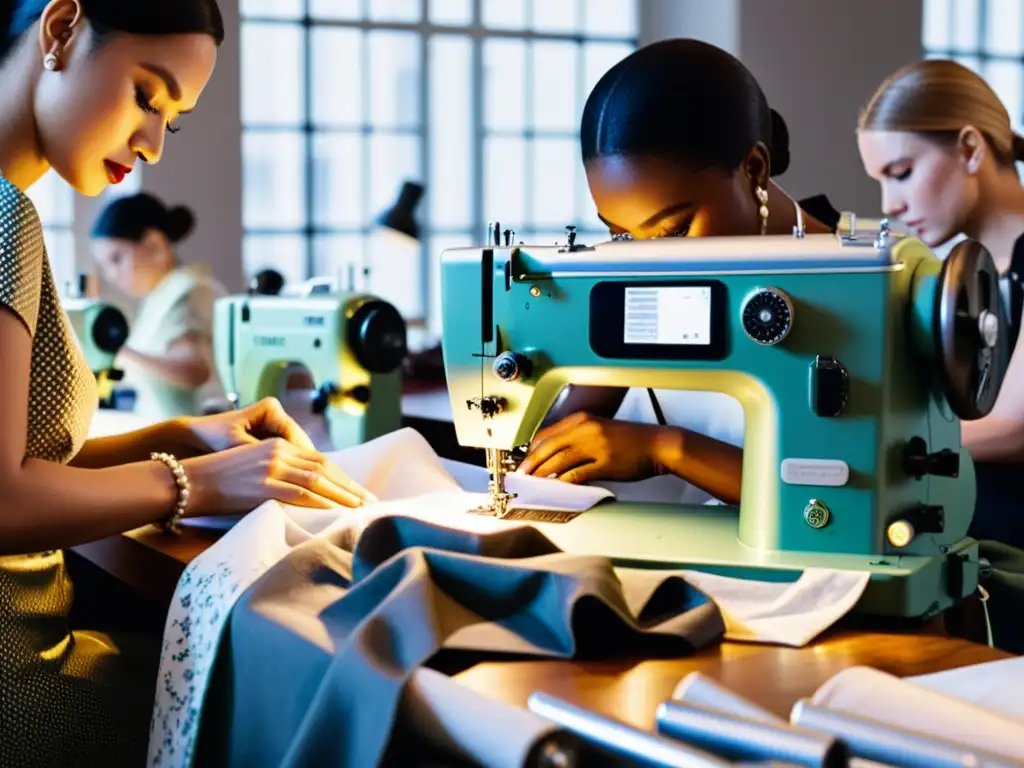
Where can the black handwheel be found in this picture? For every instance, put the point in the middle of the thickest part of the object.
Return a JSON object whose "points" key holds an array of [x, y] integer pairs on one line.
{"points": [[971, 330]]}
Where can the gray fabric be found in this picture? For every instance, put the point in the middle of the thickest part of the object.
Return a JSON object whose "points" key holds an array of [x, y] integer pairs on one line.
{"points": [[313, 663]]}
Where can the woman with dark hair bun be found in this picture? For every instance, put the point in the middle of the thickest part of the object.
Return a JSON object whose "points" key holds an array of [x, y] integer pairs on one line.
{"points": [[87, 89], [168, 358], [678, 140]]}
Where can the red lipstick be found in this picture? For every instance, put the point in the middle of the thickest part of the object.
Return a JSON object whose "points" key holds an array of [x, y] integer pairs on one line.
{"points": [[116, 172]]}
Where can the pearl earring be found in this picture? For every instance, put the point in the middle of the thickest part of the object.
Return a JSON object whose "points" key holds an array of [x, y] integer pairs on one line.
{"points": [[50, 61], [762, 198]]}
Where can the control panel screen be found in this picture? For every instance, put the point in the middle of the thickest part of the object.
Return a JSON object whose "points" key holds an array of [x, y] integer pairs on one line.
{"points": [[677, 314], [671, 319]]}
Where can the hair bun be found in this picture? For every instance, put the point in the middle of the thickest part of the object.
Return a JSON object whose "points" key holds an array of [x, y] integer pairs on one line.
{"points": [[1018, 148], [179, 223], [779, 148]]}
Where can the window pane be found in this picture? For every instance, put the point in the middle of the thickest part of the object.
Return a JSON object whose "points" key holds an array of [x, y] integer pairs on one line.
{"points": [[337, 76], [272, 91], [965, 25], [504, 14], [395, 10], [60, 248], [273, 180], [452, 12], [598, 58], [554, 82], [394, 79], [436, 247], [54, 200], [338, 181], [553, 200], [340, 257], [936, 24], [334, 9], [273, 9], [971, 62], [396, 266], [616, 18], [1007, 79], [1005, 26], [505, 192], [555, 15], [393, 161], [449, 190], [504, 84], [285, 253]]}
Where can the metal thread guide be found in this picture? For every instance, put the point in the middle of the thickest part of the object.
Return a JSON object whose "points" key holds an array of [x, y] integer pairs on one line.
{"points": [[499, 463]]}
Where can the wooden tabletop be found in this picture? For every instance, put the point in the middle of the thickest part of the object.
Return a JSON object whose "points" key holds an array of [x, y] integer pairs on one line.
{"points": [[773, 677], [151, 561]]}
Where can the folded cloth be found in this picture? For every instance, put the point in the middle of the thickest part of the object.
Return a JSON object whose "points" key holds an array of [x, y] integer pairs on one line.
{"points": [[879, 696], [319, 647]]}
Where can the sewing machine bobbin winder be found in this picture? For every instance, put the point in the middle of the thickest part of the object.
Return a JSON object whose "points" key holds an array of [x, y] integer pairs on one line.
{"points": [[854, 356], [351, 344]]}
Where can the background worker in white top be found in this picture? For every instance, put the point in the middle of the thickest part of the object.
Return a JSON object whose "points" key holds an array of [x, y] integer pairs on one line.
{"points": [[168, 358]]}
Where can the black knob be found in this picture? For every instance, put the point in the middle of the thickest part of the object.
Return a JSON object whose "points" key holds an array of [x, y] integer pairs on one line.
{"points": [[359, 394], [508, 366], [376, 334], [110, 331], [115, 375], [323, 398], [767, 316], [918, 462]]}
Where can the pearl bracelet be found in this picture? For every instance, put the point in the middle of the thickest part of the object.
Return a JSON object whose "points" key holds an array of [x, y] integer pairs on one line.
{"points": [[171, 524]]}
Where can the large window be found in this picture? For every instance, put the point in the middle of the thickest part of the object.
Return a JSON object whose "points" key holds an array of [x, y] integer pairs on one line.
{"points": [[478, 100], [55, 202], [988, 37]]}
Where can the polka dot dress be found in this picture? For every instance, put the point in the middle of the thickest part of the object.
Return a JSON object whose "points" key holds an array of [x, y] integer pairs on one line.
{"points": [[66, 699]]}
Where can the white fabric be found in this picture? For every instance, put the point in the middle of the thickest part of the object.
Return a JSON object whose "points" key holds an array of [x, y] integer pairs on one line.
{"points": [[872, 694], [995, 685]]}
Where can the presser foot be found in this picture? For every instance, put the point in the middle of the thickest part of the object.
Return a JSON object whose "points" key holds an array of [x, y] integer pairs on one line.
{"points": [[498, 506]]}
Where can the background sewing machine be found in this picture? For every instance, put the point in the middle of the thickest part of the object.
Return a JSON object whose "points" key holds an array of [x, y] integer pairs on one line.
{"points": [[351, 344], [101, 330], [853, 357]]}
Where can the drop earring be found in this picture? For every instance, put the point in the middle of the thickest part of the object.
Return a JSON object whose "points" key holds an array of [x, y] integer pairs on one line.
{"points": [[762, 198]]}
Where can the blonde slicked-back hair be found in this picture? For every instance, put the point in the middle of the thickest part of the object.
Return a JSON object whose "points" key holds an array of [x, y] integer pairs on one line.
{"points": [[939, 98]]}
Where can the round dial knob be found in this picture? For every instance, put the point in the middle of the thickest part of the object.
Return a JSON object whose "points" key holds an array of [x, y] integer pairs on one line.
{"points": [[767, 316], [509, 366]]}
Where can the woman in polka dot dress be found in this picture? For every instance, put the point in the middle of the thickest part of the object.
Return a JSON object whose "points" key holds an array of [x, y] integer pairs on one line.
{"points": [[88, 88]]}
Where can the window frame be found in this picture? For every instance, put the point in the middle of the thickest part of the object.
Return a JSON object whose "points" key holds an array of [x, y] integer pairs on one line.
{"points": [[477, 34]]}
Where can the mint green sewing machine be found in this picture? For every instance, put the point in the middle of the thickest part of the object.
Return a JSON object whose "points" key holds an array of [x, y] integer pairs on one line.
{"points": [[101, 330], [352, 345], [852, 355]]}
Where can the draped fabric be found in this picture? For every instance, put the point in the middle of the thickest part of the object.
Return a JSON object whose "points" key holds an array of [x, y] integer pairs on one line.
{"points": [[315, 655]]}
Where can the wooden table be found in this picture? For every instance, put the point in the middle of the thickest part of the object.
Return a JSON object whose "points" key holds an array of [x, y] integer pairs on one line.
{"points": [[151, 561]]}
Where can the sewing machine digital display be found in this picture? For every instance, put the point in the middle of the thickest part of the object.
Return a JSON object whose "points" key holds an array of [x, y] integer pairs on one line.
{"points": [[677, 320]]}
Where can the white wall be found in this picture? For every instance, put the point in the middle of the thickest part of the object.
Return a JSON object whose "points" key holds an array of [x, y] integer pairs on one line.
{"points": [[818, 62]]}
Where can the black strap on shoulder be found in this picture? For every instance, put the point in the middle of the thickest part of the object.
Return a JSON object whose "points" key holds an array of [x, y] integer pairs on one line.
{"points": [[658, 413]]}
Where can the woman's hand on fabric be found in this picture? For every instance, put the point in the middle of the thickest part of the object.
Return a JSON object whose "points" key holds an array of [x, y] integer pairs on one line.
{"points": [[241, 478], [260, 421], [582, 448]]}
